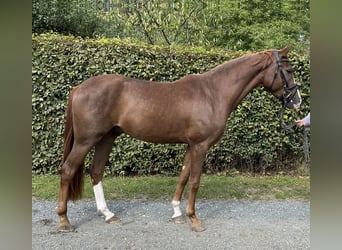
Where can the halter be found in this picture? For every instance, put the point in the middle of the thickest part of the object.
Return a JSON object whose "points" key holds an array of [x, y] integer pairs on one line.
{"points": [[289, 91]]}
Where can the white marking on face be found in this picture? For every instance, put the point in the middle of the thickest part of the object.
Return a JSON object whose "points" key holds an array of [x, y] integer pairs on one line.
{"points": [[183, 167], [296, 106], [176, 210], [101, 202]]}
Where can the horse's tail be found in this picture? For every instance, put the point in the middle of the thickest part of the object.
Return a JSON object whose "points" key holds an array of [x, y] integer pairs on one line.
{"points": [[76, 184]]}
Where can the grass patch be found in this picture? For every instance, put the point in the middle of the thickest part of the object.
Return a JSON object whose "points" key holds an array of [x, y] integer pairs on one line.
{"points": [[211, 187]]}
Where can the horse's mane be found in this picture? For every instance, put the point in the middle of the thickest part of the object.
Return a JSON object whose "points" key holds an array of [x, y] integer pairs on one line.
{"points": [[265, 58]]}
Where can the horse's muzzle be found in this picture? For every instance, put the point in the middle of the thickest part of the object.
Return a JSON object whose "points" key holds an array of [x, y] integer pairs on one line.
{"points": [[294, 102]]}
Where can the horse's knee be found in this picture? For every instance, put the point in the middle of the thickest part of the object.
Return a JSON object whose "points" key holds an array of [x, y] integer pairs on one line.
{"points": [[194, 186], [183, 178]]}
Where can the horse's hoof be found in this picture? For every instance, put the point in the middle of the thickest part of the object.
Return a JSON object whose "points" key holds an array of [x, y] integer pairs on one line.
{"points": [[179, 220], [114, 219], [198, 228], [66, 228]]}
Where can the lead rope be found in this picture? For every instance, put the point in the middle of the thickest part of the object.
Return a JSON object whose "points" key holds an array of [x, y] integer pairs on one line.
{"points": [[281, 121], [306, 147]]}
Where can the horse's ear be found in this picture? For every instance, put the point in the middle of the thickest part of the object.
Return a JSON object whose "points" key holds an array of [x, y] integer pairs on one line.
{"points": [[285, 50]]}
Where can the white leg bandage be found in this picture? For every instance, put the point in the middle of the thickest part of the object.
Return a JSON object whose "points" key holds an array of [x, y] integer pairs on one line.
{"points": [[176, 210], [101, 202]]}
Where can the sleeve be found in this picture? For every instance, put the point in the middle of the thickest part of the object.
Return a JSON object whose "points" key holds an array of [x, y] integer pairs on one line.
{"points": [[307, 120]]}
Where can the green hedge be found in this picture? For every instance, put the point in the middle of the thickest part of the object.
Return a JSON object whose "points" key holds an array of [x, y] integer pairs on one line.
{"points": [[252, 141]]}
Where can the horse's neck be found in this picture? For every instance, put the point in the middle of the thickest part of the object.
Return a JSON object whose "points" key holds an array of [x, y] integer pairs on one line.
{"points": [[235, 79]]}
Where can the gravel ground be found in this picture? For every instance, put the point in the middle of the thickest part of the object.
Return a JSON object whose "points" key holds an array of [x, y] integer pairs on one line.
{"points": [[147, 225]]}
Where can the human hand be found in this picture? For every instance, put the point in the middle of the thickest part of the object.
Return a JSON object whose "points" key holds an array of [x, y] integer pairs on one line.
{"points": [[300, 123]]}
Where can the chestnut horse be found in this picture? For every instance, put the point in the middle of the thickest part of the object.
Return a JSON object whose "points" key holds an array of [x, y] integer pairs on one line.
{"points": [[192, 110]]}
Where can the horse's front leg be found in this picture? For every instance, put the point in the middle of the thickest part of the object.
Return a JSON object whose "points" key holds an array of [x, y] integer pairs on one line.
{"points": [[102, 150], [197, 153], [177, 216]]}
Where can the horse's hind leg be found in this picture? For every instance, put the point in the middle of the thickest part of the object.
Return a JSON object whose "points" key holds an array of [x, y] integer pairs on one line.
{"points": [[70, 167], [102, 150], [182, 181]]}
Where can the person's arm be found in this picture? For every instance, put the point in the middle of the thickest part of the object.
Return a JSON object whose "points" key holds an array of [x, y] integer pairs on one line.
{"points": [[304, 122], [307, 120]]}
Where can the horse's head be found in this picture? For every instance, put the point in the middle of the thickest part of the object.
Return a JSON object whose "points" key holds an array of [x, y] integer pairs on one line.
{"points": [[280, 81]]}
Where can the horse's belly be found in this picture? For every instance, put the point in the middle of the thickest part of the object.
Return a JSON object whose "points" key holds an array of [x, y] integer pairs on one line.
{"points": [[154, 132], [153, 127]]}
